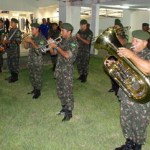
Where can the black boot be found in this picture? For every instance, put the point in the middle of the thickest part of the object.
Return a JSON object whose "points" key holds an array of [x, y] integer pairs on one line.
{"points": [[68, 115], [129, 145], [37, 93], [62, 111], [54, 66], [14, 77], [137, 147], [0, 70], [84, 79], [80, 77]]}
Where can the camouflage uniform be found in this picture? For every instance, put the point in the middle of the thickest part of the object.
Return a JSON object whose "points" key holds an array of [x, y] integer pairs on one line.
{"points": [[64, 73], [54, 34], [135, 117], [13, 51], [83, 55], [35, 62], [2, 33]]}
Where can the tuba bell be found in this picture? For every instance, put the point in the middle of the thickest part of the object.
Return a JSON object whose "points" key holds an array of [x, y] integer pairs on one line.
{"points": [[132, 81]]}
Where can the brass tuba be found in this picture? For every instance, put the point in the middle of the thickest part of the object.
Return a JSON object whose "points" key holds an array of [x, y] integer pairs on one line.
{"points": [[134, 82]]}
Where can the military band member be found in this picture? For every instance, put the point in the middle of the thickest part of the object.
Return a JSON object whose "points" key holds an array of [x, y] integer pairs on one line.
{"points": [[13, 50], [84, 37], [2, 34], [53, 34], [145, 27], [123, 39], [67, 52], [135, 117], [35, 59]]}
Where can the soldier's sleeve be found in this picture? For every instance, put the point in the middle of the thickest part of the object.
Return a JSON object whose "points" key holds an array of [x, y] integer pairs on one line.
{"points": [[90, 36], [18, 36], [73, 50], [148, 56]]}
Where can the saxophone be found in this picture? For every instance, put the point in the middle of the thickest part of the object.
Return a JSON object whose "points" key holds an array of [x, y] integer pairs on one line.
{"points": [[130, 79]]}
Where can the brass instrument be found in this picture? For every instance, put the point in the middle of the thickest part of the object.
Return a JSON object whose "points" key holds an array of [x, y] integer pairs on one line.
{"points": [[134, 83], [46, 47]]}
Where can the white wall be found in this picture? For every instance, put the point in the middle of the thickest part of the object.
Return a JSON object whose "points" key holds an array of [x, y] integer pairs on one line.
{"points": [[47, 12], [17, 5]]}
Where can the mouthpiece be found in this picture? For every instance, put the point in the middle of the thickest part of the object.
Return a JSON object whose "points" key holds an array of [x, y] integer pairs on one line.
{"points": [[132, 47]]}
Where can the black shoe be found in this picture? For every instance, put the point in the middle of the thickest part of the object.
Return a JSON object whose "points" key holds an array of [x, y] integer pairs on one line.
{"points": [[54, 66], [137, 147], [37, 94], [111, 90], [62, 111], [13, 79], [0, 70], [120, 148], [68, 116], [80, 77], [84, 78], [129, 145]]}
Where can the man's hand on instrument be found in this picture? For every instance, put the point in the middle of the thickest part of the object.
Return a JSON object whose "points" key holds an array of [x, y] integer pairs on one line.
{"points": [[108, 62], [28, 40], [5, 42], [78, 36], [124, 52], [1, 49], [53, 45]]}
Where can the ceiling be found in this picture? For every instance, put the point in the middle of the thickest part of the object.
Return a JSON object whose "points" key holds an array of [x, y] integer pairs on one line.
{"points": [[132, 4], [31, 5]]}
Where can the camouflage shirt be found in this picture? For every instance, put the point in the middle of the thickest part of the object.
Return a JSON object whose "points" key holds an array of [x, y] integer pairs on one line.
{"points": [[54, 34], [145, 54], [40, 41], [87, 35], [63, 64], [2, 32], [16, 37]]}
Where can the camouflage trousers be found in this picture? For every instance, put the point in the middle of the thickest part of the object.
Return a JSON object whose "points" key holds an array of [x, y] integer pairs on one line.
{"points": [[65, 89], [135, 118], [35, 71], [82, 62], [1, 60], [13, 62]]}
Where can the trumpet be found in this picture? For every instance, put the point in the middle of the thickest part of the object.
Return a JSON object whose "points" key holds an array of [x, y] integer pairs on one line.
{"points": [[46, 47]]}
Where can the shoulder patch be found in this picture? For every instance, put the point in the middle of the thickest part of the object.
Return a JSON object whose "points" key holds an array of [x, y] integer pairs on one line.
{"points": [[73, 44], [41, 42]]}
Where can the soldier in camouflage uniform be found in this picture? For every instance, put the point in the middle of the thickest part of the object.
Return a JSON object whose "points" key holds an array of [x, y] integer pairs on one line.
{"points": [[13, 50], [135, 117], [84, 37], [53, 34], [67, 52], [35, 59], [2, 34]]}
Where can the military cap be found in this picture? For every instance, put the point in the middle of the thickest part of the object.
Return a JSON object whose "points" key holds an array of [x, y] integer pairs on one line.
{"points": [[140, 34], [1, 20], [14, 20], [145, 24], [83, 21], [118, 22], [36, 25], [67, 26]]}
